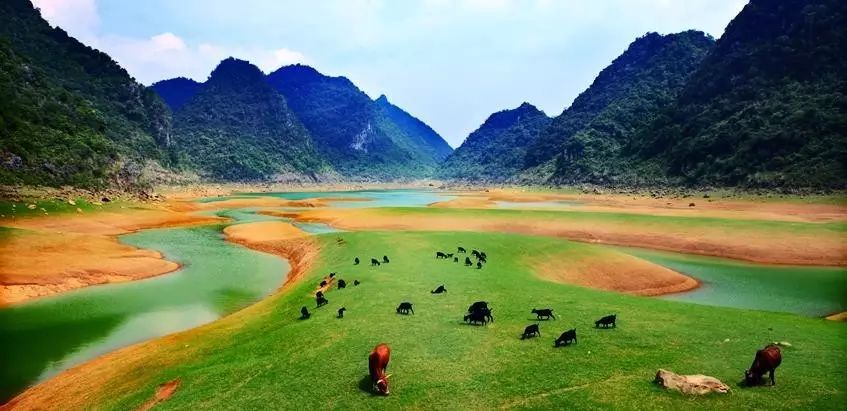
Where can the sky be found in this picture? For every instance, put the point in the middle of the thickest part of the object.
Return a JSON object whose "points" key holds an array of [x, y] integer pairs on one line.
{"points": [[450, 63]]}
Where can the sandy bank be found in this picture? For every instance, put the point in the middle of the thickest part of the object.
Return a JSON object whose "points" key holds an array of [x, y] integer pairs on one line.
{"points": [[83, 386], [761, 246], [54, 254]]}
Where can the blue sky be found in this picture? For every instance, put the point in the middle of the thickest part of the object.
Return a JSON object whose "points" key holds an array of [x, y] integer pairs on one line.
{"points": [[449, 62]]}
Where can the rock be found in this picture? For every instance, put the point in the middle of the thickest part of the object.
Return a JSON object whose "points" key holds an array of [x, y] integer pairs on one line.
{"points": [[105, 199], [691, 204], [72, 202], [31, 206], [78, 210], [690, 384], [782, 343]]}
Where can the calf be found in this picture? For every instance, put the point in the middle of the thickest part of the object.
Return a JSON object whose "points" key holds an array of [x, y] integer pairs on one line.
{"points": [[304, 313], [374, 262], [468, 262], [331, 275], [356, 282], [377, 363], [342, 284], [341, 312], [461, 250], [544, 312], [405, 308], [531, 331], [479, 265], [385, 259], [476, 318], [482, 255], [440, 289], [356, 261], [455, 259], [766, 361], [439, 254], [566, 338], [321, 301], [606, 321]]}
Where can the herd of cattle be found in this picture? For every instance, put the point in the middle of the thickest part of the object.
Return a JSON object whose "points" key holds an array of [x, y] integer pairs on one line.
{"points": [[479, 313]]}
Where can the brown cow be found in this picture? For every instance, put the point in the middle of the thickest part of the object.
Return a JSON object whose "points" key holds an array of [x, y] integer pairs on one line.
{"points": [[767, 359], [377, 363]]}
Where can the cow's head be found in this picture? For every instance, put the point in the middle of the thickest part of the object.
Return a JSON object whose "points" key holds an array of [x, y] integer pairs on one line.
{"points": [[751, 378], [381, 385]]}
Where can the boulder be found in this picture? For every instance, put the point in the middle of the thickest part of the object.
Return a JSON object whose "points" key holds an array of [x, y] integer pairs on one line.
{"points": [[690, 384]]}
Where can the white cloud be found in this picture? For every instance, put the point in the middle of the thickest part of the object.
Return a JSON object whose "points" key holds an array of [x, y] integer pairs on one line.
{"points": [[78, 17]]}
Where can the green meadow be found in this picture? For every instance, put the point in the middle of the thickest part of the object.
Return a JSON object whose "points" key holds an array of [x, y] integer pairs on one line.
{"points": [[270, 359]]}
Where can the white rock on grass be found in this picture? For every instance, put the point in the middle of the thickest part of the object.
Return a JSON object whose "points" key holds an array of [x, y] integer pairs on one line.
{"points": [[690, 384]]}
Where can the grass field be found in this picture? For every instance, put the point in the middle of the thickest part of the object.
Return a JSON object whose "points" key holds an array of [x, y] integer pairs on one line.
{"points": [[265, 357]]}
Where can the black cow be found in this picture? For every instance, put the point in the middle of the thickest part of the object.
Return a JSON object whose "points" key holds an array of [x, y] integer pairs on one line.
{"points": [[482, 256], [531, 331], [319, 294], [606, 321], [440, 289], [482, 259], [304, 313], [461, 250], [356, 282], [342, 284], [468, 262], [766, 361], [341, 312], [331, 275], [566, 337], [479, 305], [439, 254], [322, 301], [476, 318], [455, 259], [374, 262], [323, 283], [405, 308], [385, 259], [479, 265], [475, 253], [356, 261], [544, 312]]}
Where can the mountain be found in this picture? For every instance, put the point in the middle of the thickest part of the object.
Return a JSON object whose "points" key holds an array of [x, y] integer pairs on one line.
{"points": [[176, 91], [360, 137], [625, 97], [238, 127], [767, 107], [630, 91], [68, 113], [421, 136], [495, 151]]}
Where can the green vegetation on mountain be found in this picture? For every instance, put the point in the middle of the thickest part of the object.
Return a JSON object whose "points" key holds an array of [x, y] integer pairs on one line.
{"points": [[767, 108], [176, 91], [495, 151], [68, 113], [239, 128], [358, 136], [421, 137]]}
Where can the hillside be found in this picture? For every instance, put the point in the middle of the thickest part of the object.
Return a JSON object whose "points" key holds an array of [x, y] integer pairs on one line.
{"points": [[495, 151], [176, 92], [69, 114], [239, 128], [421, 136], [636, 87], [355, 134], [585, 138], [767, 108]]}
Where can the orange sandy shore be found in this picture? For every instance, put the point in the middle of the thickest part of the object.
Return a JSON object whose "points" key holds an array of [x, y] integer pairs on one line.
{"points": [[82, 386]]}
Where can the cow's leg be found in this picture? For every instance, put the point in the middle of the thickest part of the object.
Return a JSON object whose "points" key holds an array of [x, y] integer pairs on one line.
{"points": [[773, 380]]}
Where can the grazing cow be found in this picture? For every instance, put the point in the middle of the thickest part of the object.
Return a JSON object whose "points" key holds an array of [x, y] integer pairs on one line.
{"points": [[304, 313], [377, 363], [476, 317], [477, 306], [385, 259], [319, 294], [767, 359], [455, 259], [341, 312], [405, 308], [342, 284], [321, 301], [440, 289], [531, 331], [544, 312], [461, 250], [449, 255], [482, 255], [356, 261], [374, 262], [566, 337], [479, 265], [606, 321], [439, 254], [475, 253], [482, 259], [331, 275], [356, 282], [323, 283], [468, 262]]}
